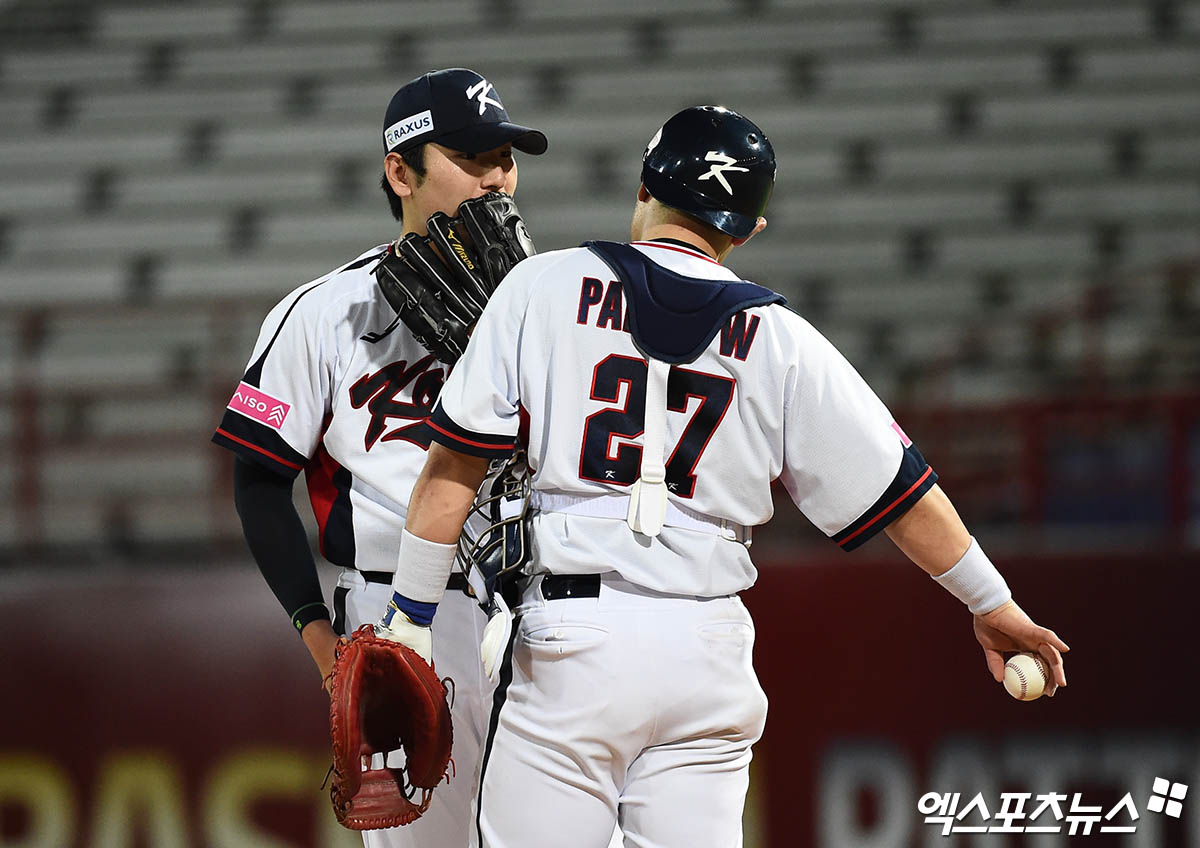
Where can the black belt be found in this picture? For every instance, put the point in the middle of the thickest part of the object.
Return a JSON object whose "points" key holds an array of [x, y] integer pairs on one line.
{"points": [[558, 586], [456, 583]]}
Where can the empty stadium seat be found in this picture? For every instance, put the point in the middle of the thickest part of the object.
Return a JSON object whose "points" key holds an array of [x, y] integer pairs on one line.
{"points": [[956, 180]]}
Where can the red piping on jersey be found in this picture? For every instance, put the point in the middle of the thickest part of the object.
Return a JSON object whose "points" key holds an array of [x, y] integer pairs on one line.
{"points": [[890, 507], [457, 438], [263, 451], [697, 255], [322, 492]]}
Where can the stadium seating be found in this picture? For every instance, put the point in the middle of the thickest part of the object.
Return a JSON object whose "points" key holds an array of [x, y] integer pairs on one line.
{"points": [[956, 179]]}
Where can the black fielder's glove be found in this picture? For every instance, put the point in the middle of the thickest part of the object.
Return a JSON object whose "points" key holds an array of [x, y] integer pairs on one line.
{"points": [[438, 284]]}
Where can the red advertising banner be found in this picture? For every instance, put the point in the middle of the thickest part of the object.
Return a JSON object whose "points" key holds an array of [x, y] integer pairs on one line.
{"points": [[162, 709], [179, 709], [879, 694]]}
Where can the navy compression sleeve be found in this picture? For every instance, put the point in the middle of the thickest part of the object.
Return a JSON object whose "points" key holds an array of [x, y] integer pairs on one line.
{"points": [[278, 540]]}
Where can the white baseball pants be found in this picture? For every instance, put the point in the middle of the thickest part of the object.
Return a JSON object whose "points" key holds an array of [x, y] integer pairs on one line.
{"points": [[629, 707]]}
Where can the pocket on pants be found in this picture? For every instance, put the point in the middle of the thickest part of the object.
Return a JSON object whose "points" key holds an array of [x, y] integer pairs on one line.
{"points": [[732, 633], [562, 639]]}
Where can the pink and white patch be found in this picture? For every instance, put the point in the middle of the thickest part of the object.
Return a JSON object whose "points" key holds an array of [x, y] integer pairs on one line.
{"points": [[259, 406], [904, 439]]}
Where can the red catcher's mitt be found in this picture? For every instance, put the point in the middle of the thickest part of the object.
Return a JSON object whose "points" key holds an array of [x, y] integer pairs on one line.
{"points": [[385, 697]]}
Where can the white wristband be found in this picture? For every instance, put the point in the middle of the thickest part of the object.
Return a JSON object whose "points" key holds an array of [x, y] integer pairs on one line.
{"points": [[423, 569], [976, 582]]}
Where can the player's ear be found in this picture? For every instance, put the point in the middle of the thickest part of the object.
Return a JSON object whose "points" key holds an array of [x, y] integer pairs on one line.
{"points": [[759, 226], [643, 196], [400, 177]]}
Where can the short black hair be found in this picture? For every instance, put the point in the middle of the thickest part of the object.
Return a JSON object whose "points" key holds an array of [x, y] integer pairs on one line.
{"points": [[414, 158]]}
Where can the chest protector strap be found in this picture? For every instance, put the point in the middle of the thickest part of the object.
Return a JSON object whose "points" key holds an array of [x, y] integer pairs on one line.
{"points": [[672, 319]]}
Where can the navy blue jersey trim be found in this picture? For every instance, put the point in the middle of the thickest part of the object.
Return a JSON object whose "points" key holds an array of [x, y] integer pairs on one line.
{"points": [[254, 373], [673, 317], [681, 243], [445, 432], [359, 263], [329, 484], [258, 444], [499, 697], [337, 542], [913, 479], [339, 610]]}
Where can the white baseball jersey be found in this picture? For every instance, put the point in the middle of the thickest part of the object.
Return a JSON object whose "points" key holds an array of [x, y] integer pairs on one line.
{"points": [[338, 387], [767, 397]]}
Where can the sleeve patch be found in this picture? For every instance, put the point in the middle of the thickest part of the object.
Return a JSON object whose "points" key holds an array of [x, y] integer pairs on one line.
{"points": [[259, 406]]}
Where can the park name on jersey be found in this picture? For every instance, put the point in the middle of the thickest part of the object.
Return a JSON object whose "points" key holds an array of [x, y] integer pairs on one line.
{"points": [[736, 336]]}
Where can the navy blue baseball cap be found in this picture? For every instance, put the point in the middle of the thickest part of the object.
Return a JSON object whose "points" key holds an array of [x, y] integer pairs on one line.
{"points": [[457, 108]]}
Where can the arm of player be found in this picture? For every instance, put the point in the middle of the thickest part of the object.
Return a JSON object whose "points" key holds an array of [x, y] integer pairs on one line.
{"points": [[436, 512], [932, 535], [443, 495], [279, 543]]}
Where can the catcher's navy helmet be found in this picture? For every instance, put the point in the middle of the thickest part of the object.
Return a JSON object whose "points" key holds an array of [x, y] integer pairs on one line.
{"points": [[713, 164]]}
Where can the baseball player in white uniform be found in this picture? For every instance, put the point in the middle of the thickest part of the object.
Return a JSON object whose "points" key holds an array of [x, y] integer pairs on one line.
{"points": [[339, 388], [663, 397]]}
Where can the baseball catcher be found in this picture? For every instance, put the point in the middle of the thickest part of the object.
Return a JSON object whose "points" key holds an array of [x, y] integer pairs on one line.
{"points": [[439, 283]]}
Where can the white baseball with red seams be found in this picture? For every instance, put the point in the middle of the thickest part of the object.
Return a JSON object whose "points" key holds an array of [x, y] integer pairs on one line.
{"points": [[1025, 676]]}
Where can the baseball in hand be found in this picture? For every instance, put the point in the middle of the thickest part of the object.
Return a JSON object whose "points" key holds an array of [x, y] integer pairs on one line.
{"points": [[1026, 676]]}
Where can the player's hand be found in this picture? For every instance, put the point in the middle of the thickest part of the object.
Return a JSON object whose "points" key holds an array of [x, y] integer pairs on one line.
{"points": [[1008, 628], [321, 642], [398, 627]]}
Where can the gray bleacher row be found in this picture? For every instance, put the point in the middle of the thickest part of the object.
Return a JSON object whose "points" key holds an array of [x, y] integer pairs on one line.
{"points": [[874, 76], [818, 172], [560, 219], [974, 21], [221, 147], [302, 247], [844, 81], [925, 168], [795, 123]]}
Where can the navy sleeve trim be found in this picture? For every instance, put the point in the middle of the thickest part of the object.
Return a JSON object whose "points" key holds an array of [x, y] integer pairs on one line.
{"points": [[448, 434], [258, 444], [912, 481]]}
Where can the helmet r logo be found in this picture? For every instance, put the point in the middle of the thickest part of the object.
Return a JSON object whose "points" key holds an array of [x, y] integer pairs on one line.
{"points": [[480, 91], [723, 163]]}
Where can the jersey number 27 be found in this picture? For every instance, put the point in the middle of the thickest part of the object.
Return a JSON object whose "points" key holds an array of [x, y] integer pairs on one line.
{"points": [[605, 460]]}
